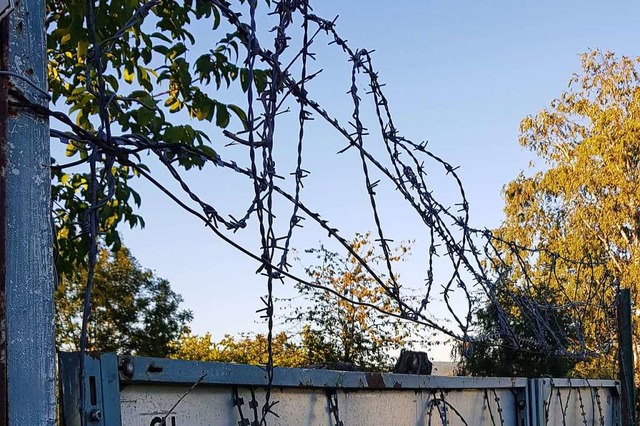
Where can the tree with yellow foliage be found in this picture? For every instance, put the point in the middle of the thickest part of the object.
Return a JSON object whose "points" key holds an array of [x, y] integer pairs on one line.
{"points": [[348, 333], [333, 333], [243, 350], [583, 202], [288, 351]]}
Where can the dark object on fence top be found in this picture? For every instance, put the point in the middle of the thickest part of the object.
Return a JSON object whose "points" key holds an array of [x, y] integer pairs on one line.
{"points": [[413, 362]]}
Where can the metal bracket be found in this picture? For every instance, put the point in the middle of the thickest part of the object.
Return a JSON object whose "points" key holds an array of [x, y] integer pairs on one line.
{"points": [[101, 405], [523, 406]]}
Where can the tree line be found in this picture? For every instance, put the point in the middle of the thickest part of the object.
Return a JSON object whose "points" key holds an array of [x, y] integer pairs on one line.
{"points": [[135, 312]]}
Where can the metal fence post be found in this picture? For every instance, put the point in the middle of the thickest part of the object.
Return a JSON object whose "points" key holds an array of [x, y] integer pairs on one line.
{"points": [[27, 351], [625, 354]]}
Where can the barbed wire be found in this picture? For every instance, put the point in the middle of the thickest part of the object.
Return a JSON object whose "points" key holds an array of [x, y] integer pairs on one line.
{"points": [[485, 268], [436, 406]]}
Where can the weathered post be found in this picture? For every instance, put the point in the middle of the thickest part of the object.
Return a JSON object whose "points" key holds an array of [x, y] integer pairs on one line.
{"points": [[625, 357], [27, 352]]}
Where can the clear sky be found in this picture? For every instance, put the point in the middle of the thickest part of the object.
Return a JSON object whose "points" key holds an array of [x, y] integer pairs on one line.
{"points": [[460, 74]]}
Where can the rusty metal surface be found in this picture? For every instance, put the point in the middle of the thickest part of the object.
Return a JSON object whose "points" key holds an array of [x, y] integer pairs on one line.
{"points": [[157, 370]]}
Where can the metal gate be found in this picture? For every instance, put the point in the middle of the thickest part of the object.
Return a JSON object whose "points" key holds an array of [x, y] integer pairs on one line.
{"points": [[143, 391]]}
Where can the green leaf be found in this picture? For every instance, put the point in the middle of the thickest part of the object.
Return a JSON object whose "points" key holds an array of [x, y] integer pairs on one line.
{"points": [[71, 150], [161, 37], [128, 74], [222, 115], [113, 82], [176, 50], [144, 78], [241, 115], [260, 80], [216, 18], [163, 50], [244, 79], [208, 151], [136, 197]]}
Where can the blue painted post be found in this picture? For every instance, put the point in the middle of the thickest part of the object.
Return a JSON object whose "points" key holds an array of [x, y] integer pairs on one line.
{"points": [[27, 351]]}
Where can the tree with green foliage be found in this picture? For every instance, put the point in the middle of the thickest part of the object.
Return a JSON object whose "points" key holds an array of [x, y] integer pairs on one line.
{"points": [[153, 66], [132, 310], [343, 332], [497, 356], [583, 203]]}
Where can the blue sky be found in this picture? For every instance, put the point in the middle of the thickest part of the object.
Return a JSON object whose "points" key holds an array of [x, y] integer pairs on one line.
{"points": [[458, 74]]}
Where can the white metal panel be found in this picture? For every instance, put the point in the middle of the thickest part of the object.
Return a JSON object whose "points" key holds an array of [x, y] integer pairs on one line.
{"points": [[141, 404]]}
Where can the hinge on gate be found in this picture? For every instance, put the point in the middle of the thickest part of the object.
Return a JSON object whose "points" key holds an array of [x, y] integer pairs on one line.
{"points": [[94, 401]]}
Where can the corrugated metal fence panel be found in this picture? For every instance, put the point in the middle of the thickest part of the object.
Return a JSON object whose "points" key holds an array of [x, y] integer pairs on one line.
{"points": [[579, 402]]}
